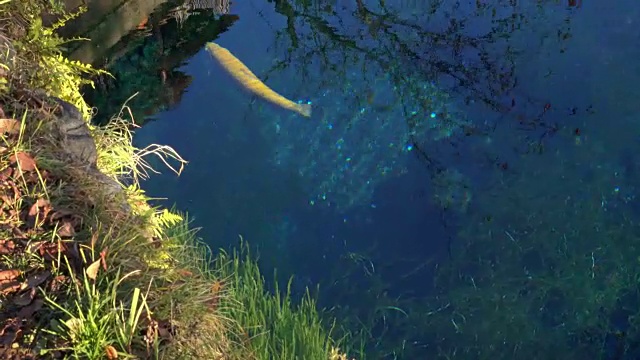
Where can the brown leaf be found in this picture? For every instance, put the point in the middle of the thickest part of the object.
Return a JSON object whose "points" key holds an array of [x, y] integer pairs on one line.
{"points": [[94, 239], [8, 275], [37, 279], [164, 329], [60, 213], [8, 287], [33, 247], [184, 272], [38, 212], [6, 173], [24, 161], [48, 250], [58, 283], [9, 126], [71, 249], [45, 175], [103, 258], [18, 234], [17, 194], [6, 199], [40, 204], [25, 297], [92, 270], [6, 247], [111, 352], [66, 229], [28, 311]]}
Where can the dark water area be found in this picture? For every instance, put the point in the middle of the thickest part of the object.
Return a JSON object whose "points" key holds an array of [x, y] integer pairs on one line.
{"points": [[466, 186]]}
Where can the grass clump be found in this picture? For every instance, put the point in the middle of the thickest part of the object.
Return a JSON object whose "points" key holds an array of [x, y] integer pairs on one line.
{"points": [[89, 272]]}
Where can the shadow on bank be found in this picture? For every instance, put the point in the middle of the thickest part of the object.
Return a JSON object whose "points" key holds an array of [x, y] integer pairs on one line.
{"points": [[142, 43]]}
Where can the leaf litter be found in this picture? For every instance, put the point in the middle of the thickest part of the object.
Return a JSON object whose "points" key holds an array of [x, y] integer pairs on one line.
{"points": [[31, 227]]}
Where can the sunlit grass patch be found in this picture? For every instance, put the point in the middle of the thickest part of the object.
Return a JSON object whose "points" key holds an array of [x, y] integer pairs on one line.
{"points": [[271, 325], [119, 158]]}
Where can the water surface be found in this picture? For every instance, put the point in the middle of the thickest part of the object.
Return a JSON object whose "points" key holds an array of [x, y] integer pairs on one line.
{"points": [[465, 188]]}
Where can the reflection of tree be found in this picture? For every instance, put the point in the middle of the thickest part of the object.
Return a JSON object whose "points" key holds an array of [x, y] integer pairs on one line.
{"points": [[403, 63], [189, 7], [145, 62], [517, 285], [386, 37], [475, 64]]}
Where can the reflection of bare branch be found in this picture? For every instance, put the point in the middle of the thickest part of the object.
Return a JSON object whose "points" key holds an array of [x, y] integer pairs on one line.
{"points": [[395, 82], [218, 6], [477, 66], [182, 12]]}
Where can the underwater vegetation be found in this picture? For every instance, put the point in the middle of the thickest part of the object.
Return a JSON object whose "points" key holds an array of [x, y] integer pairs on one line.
{"points": [[451, 190], [364, 133]]}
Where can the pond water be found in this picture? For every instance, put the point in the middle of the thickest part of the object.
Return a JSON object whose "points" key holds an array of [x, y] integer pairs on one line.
{"points": [[466, 186]]}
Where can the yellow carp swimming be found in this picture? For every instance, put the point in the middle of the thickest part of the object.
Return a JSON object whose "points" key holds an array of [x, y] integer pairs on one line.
{"points": [[250, 81]]}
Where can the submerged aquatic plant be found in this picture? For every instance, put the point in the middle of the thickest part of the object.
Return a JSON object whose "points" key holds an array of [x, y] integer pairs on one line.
{"points": [[367, 129]]}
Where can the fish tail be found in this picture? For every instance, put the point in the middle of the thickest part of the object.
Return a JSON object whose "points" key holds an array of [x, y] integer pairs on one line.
{"points": [[304, 109]]}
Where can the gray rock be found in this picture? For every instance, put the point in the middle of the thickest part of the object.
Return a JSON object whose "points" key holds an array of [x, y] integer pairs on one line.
{"points": [[80, 146], [76, 135]]}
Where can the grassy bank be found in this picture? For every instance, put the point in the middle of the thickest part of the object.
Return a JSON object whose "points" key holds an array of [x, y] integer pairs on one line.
{"points": [[87, 268]]}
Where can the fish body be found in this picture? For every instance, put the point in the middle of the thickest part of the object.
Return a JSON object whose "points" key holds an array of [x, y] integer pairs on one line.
{"points": [[250, 81]]}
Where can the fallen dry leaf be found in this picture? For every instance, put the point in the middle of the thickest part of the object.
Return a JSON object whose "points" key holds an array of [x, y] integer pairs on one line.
{"points": [[58, 283], [6, 247], [6, 199], [40, 204], [92, 270], [38, 212], [103, 258], [8, 275], [28, 311], [9, 126], [32, 247], [10, 335], [24, 161], [60, 213], [48, 250], [94, 239], [25, 298], [17, 233], [152, 333], [184, 272], [164, 329], [37, 279], [111, 352], [6, 173], [66, 229], [9, 287], [9, 281]]}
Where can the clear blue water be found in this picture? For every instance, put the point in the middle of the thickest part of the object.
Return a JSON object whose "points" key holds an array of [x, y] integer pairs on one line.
{"points": [[472, 164]]}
